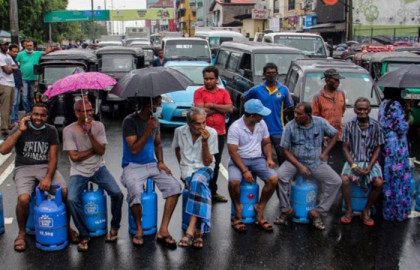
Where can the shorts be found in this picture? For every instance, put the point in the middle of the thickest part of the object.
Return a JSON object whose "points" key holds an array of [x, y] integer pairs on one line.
{"points": [[257, 166], [135, 175], [26, 177]]}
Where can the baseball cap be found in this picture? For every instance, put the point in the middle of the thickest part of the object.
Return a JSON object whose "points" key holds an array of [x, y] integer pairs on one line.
{"points": [[254, 106], [4, 41], [332, 73]]}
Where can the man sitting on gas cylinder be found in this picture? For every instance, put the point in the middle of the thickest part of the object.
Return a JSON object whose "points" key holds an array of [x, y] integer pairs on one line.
{"points": [[85, 142], [302, 145], [362, 141], [247, 137], [36, 145], [195, 144]]}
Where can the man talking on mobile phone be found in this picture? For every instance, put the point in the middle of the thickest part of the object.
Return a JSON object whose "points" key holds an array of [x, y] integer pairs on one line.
{"points": [[36, 145]]}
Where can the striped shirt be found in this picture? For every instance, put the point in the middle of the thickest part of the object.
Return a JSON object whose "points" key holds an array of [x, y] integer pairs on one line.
{"points": [[363, 142], [305, 143]]}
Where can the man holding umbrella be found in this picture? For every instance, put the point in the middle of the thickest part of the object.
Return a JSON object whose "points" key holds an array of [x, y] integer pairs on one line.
{"points": [[141, 142]]}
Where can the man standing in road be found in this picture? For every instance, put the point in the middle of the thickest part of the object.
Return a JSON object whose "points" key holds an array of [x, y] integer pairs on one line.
{"points": [[216, 103], [247, 137], [195, 144], [27, 59], [7, 84], [17, 74], [36, 144], [363, 138], [85, 142], [276, 97], [160, 60], [330, 104], [141, 142], [302, 145]]}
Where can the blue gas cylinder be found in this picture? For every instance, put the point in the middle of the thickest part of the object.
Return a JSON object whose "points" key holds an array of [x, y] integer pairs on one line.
{"points": [[50, 220], [185, 215], [358, 198], [149, 211], [303, 198], [1, 215], [95, 211], [30, 223], [248, 199]]}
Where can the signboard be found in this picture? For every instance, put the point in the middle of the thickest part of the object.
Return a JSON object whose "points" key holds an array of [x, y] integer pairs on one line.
{"points": [[141, 14], [259, 13], [76, 16]]}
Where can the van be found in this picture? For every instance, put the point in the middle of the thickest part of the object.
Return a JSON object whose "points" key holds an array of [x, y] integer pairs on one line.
{"points": [[241, 65], [216, 38], [312, 45], [187, 49]]}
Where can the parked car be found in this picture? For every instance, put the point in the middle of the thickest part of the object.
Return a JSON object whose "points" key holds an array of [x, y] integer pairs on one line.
{"points": [[305, 79], [241, 66], [175, 105], [217, 37], [186, 49], [312, 45]]}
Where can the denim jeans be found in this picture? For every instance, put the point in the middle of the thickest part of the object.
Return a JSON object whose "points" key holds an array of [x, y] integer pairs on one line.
{"points": [[78, 183], [15, 108], [28, 95]]}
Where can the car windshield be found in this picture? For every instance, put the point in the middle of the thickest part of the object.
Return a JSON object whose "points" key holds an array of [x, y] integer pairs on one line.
{"points": [[193, 72], [354, 85], [189, 49], [311, 46], [395, 66], [55, 73], [282, 60], [117, 63]]}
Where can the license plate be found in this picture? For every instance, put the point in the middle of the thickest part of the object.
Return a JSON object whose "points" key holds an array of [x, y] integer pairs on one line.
{"points": [[184, 113]]}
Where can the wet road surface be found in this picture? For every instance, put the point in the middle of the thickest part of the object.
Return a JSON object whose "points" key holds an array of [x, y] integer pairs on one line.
{"points": [[387, 245]]}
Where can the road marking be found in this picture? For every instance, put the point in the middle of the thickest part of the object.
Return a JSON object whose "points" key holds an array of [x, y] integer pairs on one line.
{"points": [[223, 171], [7, 172], [3, 158], [8, 220], [414, 213]]}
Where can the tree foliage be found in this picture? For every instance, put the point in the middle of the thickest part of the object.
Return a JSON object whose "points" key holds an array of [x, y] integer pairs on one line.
{"points": [[31, 25]]}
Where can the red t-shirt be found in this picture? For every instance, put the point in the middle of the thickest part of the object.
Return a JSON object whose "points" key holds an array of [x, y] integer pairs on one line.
{"points": [[219, 97]]}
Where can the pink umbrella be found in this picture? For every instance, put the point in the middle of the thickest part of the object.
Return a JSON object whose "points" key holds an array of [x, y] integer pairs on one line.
{"points": [[80, 80]]}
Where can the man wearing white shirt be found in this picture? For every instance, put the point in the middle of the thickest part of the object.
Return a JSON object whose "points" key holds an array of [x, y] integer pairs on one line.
{"points": [[195, 145]]}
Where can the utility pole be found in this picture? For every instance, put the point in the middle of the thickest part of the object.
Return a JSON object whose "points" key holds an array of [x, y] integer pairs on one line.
{"points": [[93, 23], [349, 22], [14, 25]]}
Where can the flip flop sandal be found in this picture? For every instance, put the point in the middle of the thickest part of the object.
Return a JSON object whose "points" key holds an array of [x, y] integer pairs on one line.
{"points": [[263, 224], [186, 243], [20, 244], [368, 221], [347, 218], [111, 238], [198, 241], [83, 246], [138, 238], [317, 222], [239, 226], [284, 217], [74, 237], [166, 240]]}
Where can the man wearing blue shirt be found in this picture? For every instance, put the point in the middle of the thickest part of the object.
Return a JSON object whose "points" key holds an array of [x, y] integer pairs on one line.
{"points": [[276, 97], [302, 145], [141, 142]]}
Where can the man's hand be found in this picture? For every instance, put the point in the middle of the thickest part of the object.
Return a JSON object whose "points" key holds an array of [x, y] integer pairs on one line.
{"points": [[45, 184], [209, 105], [304, 171], [248, 176], [358, 171], [366, 170], [23, 122], [323, 157], [162, 166], [152, 124], [205, 134], [88, 126], [270, 164]]}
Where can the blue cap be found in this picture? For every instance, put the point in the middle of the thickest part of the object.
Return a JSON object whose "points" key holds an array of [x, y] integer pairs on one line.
{"points": [[254, 106]]}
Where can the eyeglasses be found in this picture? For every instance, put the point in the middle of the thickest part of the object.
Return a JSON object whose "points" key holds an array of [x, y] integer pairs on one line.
{"points": [[39, 114]]}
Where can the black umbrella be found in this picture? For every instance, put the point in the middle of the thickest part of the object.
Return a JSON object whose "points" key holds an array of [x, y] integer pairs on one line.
{"points": [[150, 82], [405, 77]]}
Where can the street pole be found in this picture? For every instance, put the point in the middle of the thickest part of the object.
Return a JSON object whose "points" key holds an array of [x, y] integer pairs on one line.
{"points": [[14, 25], [93, 23], [106, 21], [349, 24]]}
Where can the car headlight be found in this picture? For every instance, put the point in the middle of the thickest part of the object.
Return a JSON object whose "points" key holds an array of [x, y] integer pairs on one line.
{"points": [[167, 99]]}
